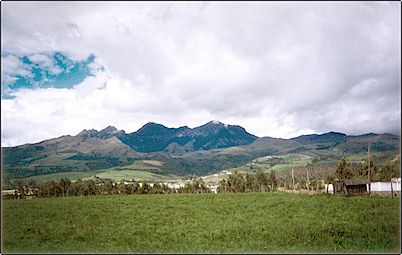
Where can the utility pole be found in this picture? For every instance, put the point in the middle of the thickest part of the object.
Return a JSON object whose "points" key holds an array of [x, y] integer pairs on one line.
{"points": [[308, 182], [293, 181], [369, 169]]}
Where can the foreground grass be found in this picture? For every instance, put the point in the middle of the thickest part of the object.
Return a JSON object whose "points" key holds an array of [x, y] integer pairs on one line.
{"points": [[208, 223]]}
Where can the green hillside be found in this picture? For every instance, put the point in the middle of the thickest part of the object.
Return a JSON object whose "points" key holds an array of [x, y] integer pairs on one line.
{"points": [[140, 170], [103, 151]]}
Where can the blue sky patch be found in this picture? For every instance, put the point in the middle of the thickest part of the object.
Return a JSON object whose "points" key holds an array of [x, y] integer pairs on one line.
{"points": [[50, 70]]}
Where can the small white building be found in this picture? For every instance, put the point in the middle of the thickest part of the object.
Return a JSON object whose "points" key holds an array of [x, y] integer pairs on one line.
{"points": [[175, 185], [142, 184], [329, 188], [214, 188]]}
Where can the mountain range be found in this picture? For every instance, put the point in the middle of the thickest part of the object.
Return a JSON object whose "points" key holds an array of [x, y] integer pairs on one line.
{"points": [[211, 147]]}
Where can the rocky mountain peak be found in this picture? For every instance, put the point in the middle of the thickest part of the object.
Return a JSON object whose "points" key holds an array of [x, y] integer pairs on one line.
{"points": [[109, 129], [88, 133], [152, 128]]}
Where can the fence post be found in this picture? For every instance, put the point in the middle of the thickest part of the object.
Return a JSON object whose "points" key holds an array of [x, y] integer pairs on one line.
{"points": [[308, 182], [369, 168], [293, 181], [286, 187]]}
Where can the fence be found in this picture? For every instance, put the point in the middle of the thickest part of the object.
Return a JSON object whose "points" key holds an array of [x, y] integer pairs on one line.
{"points": [[380, 187]]}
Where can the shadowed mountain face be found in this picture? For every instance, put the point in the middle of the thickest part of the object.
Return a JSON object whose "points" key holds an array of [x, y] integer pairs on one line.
{"points": [[154, 137], [328, 138]]}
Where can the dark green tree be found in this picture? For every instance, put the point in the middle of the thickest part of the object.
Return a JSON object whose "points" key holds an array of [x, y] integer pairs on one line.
{"points": [[91, 188], [64, 185], [374, 173], [236, 182], [108, 186], [251, 183], [156, 189], [222, 186], [391, 170], [343, 171], [273, 180], [261, 180]]}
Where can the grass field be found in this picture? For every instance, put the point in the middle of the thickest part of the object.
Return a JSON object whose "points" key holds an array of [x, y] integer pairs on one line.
{"points": [[57, 176], [140, 170], [134, 174], [208, 223], [289, 161]]}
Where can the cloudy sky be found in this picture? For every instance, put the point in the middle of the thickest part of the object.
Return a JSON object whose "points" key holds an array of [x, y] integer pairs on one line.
{"points": [[277, 69]]}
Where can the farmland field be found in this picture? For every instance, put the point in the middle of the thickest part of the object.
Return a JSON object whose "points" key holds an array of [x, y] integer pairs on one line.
{"points": [[140, 170], [144, 170], [134, 174], [57, 176], [177, 223]]}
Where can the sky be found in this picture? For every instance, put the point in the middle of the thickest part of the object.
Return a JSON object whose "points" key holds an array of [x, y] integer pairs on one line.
{"points": [[279, 69]]}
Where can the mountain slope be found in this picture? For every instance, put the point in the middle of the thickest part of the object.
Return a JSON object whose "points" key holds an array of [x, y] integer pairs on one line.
{"points": [[381, 142], [201, 150], [89, 150], [154, 137], [327, 138]]}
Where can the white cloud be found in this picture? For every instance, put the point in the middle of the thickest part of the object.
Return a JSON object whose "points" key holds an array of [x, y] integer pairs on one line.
{"points": [[277, 69], [45, 62], [11, 66]]}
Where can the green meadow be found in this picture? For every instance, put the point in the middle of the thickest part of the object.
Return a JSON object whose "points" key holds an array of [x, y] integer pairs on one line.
{"points": [[208, 223]]}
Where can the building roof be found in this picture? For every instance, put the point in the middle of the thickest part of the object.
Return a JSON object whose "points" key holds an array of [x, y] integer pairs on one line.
{"points": [[355, 182]]}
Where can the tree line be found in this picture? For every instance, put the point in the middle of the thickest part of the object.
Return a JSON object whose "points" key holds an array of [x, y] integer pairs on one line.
{"points": [[346, 170], [236, 182], [65, 188], [258, 182]]}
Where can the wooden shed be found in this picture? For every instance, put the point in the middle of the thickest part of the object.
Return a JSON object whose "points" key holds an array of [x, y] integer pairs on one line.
{"points": [[351, 187]]}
